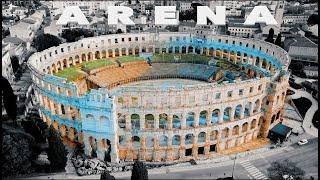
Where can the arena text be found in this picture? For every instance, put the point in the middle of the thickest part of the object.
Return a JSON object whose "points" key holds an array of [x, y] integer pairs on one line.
{"points": [[167, 15]]}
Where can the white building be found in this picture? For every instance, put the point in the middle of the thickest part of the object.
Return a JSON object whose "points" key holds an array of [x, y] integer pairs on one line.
{"points": [[295, 18], [311, 71], [15, 47], [302, 49], [27, 28], [7, 71]]}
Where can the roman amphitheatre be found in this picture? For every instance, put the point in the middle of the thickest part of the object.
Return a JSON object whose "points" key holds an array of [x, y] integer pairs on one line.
{"points": [[161, 96]]}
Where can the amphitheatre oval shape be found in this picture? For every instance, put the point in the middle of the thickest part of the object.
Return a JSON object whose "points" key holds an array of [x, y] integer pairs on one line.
{"points": [[161, 96]]}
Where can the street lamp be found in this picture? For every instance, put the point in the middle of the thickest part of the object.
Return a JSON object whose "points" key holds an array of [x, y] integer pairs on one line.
{"points": [[234, 163]]}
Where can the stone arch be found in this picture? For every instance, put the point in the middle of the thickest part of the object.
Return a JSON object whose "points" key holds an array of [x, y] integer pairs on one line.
{"points": [[149, 121], [89, 117], [183, 49], [213, 135], [97, 55], [122, 140], [253, 124], [135, 141], [135, 121], [77, 59], [247, 109], [105, 145], [201, 137], [176, 121], [238, 111], [149, 142], [90, 56], [163, 141], [163, 121], [256, 106], [188, 138], [123, 51], [190, 119], [215, 116], [110, 52], [83, 57], [245, 127], [225, 133], [121, 121], [203, 118], [93, 145], [190, 49], [104, 53], [116, 52], [176, 140], [136, 50], [257, 61], [63, 130], [227, 114], [235, 130]]}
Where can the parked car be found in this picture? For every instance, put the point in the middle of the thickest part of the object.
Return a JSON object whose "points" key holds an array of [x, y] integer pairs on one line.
{"points": [[302, 142]]}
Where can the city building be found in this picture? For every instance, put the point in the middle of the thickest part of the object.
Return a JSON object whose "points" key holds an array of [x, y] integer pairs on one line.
{"points": [[232, 92], [7, 71], [302, 49]]}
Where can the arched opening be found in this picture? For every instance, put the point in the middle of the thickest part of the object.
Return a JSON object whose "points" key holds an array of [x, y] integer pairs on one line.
{"points": [[90, 56], [83, 57], [123, 51], [247, 109], [235, 130], [190, 119], [202, 137], [104, 54], [135, 141], [106, 147], [149, 142], [176, 123], [213, 135], [215, 116], [183, 49], [93, 145], [163, 121], [253, 124], [256, 106], [163, 141], [176, 140], [149, 121], [227, 114], [190, 49], [116, 52], [237, 113], [97, 55], [225, 133], [245, 127], [188, 139], [136, 50], [121, 121], [203, 118], [110, 52], [135, 121]]}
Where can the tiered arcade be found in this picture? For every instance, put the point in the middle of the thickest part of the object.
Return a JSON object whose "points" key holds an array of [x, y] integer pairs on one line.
{"points": [[124, 123]]}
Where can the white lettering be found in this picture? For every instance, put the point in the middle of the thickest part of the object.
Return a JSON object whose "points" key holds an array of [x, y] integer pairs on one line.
{"points": [[204, 12], [72, 14], [120, 13], [165, 15], [260, 14]]}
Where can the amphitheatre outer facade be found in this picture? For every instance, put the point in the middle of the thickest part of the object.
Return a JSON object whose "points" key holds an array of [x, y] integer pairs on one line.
{"points": [[119, 119]]}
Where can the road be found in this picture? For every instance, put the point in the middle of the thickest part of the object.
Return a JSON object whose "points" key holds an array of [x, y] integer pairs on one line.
{"points": [[250, 167], [305, 156]]}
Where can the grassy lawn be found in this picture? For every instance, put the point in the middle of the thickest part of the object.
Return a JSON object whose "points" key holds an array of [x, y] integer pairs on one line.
{"points": [[71, 73], [130, 58], [96, 64], [188, 58]]}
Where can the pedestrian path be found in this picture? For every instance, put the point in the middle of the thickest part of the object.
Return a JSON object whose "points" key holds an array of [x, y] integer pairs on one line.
{"points": [[254, 172]]}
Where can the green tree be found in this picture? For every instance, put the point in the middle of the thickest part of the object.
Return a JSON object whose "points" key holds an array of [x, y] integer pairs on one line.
{"points": [[278, 40], [281, 169], [9, 99], [45, 41], [106, 176], [270, 36], [57, 153], [139, 171], [15, 63]]}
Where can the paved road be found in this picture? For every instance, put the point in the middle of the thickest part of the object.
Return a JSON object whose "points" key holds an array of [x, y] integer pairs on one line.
{"points": [[251, 167], [307, 122]]}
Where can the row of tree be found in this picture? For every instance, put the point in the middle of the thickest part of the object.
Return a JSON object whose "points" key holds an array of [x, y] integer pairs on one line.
{"points": [[270, 39]]}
